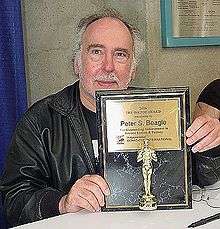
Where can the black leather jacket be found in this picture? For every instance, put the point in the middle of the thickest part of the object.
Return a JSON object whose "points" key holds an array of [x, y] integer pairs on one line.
{"points": [[50, 150]]}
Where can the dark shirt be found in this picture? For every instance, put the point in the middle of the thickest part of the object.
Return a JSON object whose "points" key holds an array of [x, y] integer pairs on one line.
{"points": [[91, 121]]}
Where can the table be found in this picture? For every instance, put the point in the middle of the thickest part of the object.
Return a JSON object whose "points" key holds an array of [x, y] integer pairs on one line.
{"points": [[161, 219]]}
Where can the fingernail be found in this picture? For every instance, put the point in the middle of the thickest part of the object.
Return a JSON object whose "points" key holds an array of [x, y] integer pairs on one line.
{"points": [[189, 141], [194, 149], [102, 204], [107, 192], [188, 133]]}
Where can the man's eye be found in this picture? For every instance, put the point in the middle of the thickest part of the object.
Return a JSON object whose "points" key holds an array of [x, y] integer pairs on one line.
{"points": [[96, 54], [121, 55], [96, 51]]}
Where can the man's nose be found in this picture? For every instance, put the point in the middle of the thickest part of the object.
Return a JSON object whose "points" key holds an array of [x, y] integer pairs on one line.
{"points": [[109, 63]]}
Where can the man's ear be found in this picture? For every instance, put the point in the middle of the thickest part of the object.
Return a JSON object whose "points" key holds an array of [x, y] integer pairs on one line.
{"points": [[133, 72], [76, 64]]}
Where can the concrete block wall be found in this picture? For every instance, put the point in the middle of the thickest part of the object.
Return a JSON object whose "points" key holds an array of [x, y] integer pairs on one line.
{"points": [[49, 28]]}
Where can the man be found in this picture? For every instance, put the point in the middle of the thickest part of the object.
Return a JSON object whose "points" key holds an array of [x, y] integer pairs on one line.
{"points": [[51, 166], [105, 61]]}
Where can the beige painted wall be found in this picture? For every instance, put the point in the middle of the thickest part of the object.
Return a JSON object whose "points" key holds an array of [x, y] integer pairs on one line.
{"points": [[193, 66], [49, 36], [49, 28]]}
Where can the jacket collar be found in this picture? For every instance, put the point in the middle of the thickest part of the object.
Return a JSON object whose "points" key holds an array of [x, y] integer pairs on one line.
{"points": [[67, 100]]}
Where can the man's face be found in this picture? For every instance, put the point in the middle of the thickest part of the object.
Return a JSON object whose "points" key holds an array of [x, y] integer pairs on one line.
{"points": [[106, 57]]}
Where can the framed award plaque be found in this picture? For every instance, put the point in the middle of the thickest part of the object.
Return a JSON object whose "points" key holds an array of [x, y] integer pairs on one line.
{"points": [[190, 23], [143, 154]]}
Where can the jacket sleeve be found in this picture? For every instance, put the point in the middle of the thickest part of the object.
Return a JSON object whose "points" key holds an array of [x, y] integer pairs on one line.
{"points": [[26, 183], [206, 167], [210, 94]]}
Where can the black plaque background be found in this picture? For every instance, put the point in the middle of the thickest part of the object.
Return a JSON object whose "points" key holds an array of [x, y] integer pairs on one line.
{"points": [[171, 179]]}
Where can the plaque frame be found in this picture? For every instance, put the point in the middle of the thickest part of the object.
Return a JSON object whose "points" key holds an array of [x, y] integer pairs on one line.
{"points": [[168, 39], [180, 94]]}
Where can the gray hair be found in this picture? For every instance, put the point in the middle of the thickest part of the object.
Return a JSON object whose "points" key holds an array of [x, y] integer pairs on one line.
{"points": [[139, 45]]}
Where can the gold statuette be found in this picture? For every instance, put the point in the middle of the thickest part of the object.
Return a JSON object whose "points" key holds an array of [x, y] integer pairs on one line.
{"points": [[147, 201]]}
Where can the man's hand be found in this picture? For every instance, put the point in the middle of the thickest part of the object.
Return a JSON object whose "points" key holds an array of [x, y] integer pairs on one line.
{"points": [[205, 132], [87, 193]]}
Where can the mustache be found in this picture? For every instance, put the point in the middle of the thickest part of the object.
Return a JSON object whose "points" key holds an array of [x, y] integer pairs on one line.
{"points": [[111, 77]]}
